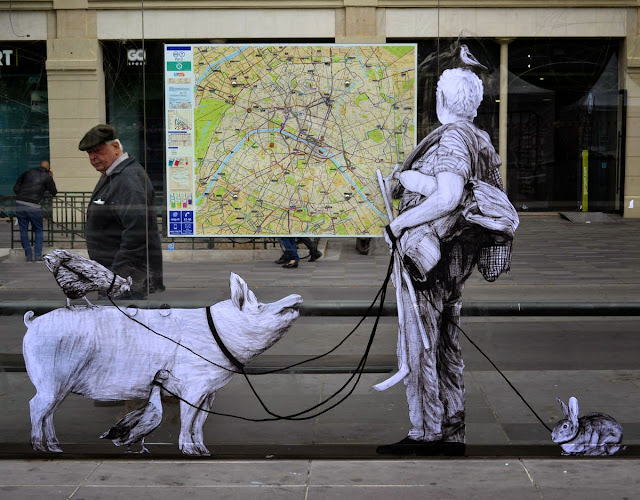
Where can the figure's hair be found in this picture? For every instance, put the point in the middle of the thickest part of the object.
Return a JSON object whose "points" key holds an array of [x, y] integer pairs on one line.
{"points": [[462, 91]]}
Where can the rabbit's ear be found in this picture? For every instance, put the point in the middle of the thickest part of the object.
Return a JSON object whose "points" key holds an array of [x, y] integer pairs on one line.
{"points": [[573, 409], [565, 410]]}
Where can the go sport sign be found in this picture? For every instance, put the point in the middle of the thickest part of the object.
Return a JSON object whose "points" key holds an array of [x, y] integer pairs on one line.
{"points": [[8, 58], [136, 57]]}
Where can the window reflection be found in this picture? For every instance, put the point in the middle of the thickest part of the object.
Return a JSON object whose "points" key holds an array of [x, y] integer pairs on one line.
{"points": [[563, 100]]}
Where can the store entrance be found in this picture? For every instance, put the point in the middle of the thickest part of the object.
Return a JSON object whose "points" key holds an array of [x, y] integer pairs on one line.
{"points": [[565, 125]]}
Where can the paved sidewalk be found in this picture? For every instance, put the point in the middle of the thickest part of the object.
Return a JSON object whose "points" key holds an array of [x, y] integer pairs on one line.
{"points": [[489, 479], [553, 260]]}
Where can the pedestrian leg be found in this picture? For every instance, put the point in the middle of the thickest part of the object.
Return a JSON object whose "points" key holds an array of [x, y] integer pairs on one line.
{"points": [[35, 216], [291, 248], [285, 257], [311, 245], [23, 222]]}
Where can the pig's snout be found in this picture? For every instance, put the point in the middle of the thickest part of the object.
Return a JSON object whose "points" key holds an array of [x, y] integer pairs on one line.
{"points": [[290, 305]]}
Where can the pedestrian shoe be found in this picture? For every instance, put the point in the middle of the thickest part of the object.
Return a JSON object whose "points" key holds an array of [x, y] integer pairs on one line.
{"points": [[315, 256], [408, 446], [363, 249], [291, 265], [281, 260]]}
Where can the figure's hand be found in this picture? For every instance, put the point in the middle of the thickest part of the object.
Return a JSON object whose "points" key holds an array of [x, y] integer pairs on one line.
{"points": [[394, 175]]}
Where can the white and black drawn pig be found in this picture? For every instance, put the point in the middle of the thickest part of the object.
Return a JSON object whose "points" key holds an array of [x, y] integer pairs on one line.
{"points": [[102, 354]]}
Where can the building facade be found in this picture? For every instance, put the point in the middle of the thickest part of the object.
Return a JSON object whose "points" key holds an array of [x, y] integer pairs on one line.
{"points": [[562, 105]]}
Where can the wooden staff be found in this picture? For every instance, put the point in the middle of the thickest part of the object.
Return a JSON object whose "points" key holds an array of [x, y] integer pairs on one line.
{"points": [[399, 276]]}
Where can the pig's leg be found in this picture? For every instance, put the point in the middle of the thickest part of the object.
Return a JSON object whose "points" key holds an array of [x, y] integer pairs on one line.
{"points": [[49, 430], [42, 408], [37, 419], [197, 427], [189, 434]]}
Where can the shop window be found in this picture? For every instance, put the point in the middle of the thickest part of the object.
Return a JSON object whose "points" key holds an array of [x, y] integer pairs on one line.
{"points": [[24, 117], [563, 107], [134, 108]]}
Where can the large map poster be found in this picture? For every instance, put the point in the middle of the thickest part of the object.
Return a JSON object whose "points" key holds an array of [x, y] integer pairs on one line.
{"points": [[285, 140]]}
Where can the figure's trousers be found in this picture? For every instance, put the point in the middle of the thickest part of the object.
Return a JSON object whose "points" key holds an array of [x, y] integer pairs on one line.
{"points": [[435, 384]]}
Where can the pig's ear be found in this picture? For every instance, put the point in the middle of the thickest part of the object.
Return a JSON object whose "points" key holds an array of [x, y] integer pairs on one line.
{"points": [[239, 290]]}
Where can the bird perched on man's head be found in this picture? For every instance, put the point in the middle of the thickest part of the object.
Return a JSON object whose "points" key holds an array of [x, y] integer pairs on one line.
{"points": [[77, 276], [138, 424]]}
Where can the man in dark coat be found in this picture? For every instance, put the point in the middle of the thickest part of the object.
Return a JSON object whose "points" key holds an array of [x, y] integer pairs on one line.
{"points": [[122, 229], [29, 189]]}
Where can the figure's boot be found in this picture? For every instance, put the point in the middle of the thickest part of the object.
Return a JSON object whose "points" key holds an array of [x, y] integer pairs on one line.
{"points": [[408, 446]]}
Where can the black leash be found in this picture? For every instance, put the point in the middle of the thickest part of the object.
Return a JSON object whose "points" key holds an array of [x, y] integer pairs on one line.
{"points": [[297, 416], [449, 320], [357, 373], [113, 281]]}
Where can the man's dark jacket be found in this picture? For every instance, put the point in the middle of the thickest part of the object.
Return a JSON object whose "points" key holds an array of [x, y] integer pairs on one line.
{"points": [[33, 183], [121, 219]]}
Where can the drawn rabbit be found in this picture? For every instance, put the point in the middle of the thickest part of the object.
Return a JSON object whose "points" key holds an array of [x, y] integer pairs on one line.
{"points": [[593, 434]]}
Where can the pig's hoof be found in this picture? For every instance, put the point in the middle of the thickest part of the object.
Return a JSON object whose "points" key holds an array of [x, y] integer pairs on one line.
{"points": [[54, 446], [195, 449], [38, 446]]}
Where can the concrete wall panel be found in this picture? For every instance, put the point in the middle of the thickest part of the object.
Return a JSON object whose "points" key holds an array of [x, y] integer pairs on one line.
{"points": [[489, 22], [215, 24], [27, 26]]}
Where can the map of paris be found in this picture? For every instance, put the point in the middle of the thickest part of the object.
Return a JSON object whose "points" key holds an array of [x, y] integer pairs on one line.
{"points": [[285, 139]]}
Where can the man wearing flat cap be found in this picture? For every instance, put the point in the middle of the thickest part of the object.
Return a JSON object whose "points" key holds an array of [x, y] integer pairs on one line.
{"points": [[122, 230]]}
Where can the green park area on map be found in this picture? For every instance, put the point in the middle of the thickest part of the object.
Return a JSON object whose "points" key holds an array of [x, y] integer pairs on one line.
{"points": [[288, 139]]}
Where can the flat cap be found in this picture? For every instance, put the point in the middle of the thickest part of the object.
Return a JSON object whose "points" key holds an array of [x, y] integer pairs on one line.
{"points": [[97, 135]]}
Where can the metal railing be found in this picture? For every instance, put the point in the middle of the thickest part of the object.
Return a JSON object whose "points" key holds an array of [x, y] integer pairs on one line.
{"points": [[65, 217]]}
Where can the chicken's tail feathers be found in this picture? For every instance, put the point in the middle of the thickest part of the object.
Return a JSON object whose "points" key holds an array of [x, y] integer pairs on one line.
{"points": [[110, 434]]}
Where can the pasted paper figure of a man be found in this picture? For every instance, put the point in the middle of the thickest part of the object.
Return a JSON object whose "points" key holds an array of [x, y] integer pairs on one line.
{"points": [[453, 215]]}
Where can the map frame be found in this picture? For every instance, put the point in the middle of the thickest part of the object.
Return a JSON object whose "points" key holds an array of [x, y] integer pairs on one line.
{"points": [[189, 185]]}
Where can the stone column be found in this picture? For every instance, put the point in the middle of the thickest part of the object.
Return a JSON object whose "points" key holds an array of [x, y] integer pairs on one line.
{"points": [[76, 91], [360, 21], [630, 66], [503, 109]]}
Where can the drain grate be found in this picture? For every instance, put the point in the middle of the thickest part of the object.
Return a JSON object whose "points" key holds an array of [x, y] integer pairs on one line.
{"points": [[584, 217]]}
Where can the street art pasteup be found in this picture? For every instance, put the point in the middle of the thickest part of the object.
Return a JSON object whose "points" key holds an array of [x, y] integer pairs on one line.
{"points": [[101, 353], [595, 434], [453, 216]]}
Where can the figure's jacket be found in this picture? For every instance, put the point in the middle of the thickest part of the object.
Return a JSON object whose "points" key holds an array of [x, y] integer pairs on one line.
{"points": [[484, 202], [121, 219], [32, 184]]}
